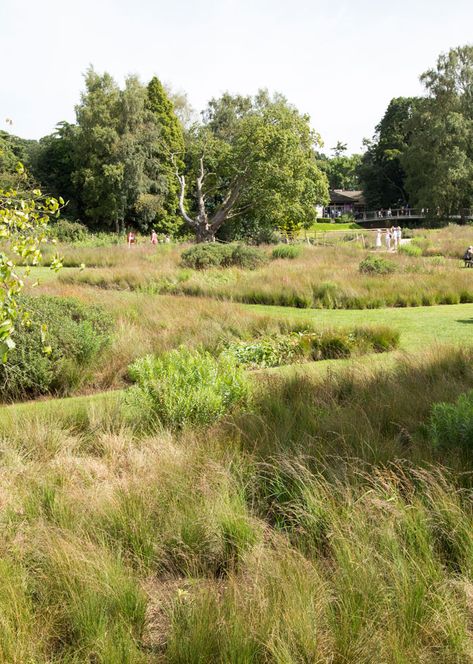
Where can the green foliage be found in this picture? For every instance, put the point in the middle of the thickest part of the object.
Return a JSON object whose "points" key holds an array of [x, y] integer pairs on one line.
{"points": [[185, 387], [75, 335], [410, 249], [451, 424], [270, 351], [24, 219], [204, 256], [439, 161], [290, 251], [170, 141], [54, 161], [276, 350], [381, 171], [342, 170], [69, 231], [376, 265]]}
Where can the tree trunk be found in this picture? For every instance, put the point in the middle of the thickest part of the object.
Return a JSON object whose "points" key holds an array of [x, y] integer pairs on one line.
{"points": [[203, 227], [204, 233]]}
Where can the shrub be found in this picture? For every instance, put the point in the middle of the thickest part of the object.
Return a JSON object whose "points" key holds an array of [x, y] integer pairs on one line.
{"points": [[76, 333], [276, 350], [290, 251], [410, 249], [69, 231], [451, 424], [204, 256], [344, 218], [267, 351], [246, 257], [185, 387], [376, 265]]}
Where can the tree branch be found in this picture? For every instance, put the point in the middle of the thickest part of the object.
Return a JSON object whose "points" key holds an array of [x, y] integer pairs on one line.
{"points": [[229, 201], [200, 192], [182, 209]]}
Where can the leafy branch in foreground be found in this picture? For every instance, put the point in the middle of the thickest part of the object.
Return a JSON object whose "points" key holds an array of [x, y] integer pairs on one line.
{"points": [[24, 219]]}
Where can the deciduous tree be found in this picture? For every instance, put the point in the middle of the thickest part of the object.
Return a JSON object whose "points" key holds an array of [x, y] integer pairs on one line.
{"points": [[24, 219], [439, 160], [251, 157], [381, 171]]}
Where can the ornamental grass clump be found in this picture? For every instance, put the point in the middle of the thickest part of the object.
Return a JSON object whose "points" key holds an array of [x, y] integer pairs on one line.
{"points": [[290, 251], [410, 250], [185, 387]]}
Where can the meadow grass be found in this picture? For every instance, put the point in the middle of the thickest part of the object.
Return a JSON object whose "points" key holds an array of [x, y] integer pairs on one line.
{"points": [[327, 519], [321, 525], [320, 277]]}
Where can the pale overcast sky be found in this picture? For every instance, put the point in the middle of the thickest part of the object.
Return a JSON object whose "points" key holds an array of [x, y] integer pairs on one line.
{"points": [[340, 61]]}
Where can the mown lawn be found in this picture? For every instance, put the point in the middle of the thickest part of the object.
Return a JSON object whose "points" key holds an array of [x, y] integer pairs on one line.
{"points": [[420, 327], [45, 275], [327, 226]]}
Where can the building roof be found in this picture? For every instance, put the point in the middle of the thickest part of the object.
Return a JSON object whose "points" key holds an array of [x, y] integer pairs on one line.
{"points": [[342, 196]]}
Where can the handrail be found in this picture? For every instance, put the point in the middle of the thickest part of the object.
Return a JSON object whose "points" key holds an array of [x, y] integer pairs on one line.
{"points": [[406, 213]]}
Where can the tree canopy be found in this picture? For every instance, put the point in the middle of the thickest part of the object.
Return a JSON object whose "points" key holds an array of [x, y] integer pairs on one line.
{"points": [[381, 170], [114, 165], [251, 157], [439, 158], [342, 170]]}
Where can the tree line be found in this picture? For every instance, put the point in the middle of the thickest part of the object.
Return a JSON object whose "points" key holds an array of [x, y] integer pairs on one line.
{"points": [[250, 164], [135, 158]]}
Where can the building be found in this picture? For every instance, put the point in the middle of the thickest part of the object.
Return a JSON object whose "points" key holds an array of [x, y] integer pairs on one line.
{"points": [[343, 201]]}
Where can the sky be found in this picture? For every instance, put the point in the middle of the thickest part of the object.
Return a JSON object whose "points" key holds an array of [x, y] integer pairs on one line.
{"points": [[339, 61]]}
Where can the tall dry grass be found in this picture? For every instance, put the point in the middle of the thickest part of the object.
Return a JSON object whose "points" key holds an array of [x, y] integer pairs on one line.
{"points": [[321, 527], [153, 325], [321, 277]]}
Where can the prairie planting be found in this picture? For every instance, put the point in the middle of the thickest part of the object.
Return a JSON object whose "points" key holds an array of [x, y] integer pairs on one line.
{"points": [[315, 277], [311, 525], [260, 483]]}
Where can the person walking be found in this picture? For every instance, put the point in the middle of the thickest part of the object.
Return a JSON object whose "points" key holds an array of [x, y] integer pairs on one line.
{"points": [[378, 242], [131, 238], [388, 239], [399, 235], [395, 237], [154, 238]]}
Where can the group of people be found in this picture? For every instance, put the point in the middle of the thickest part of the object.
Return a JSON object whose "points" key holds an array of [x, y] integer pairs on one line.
{"points": [[131, 238], [404, 211], [392, 238]]}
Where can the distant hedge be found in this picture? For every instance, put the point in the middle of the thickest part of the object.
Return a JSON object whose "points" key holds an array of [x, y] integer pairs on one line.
{"points": [[69, 231], [204, 256]]}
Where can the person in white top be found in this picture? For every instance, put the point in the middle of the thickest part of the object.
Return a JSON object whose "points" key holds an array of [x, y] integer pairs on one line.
{"points": [[378, 239], [395, 237], [388, 239]]}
